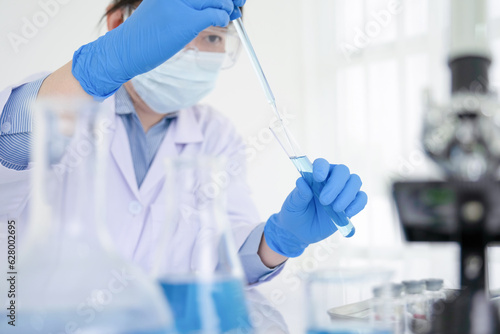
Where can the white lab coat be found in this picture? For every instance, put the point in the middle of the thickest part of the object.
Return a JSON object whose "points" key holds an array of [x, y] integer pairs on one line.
{"points": [[135, 216]]}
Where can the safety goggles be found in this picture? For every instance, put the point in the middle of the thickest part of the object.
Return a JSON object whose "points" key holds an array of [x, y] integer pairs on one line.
{"points": [[217, 40]]}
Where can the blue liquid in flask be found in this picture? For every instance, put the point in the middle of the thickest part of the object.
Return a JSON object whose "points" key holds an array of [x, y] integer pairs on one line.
{"points": [[305, 167], [58, 323], [340, 331], [212, 307]]}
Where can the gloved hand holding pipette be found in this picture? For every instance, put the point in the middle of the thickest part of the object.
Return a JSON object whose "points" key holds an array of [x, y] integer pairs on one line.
{"points": [[157, 31], [302, 219]]}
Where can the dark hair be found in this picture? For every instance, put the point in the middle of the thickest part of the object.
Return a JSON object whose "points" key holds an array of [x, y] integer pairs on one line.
{"points": [[119, 4]]}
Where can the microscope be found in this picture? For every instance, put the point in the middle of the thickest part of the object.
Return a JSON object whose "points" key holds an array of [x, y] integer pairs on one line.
{"points": [[463, 139]]}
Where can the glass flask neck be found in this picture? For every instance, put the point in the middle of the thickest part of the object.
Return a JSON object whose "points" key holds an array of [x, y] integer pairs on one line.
{"points": [[196, 199], [71, 274], [68, 174], [205, 287]]}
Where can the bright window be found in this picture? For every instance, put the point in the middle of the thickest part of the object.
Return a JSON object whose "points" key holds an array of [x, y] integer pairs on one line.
{"points": [[368, 67]]}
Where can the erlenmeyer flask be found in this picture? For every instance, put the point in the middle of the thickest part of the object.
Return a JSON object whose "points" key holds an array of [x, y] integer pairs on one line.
{"points": [[70, 280], [205, 288]]}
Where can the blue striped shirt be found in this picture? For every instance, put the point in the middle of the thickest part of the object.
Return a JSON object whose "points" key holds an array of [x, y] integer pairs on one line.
{"points": [[143, 145], [16, 126], [15, 141]]}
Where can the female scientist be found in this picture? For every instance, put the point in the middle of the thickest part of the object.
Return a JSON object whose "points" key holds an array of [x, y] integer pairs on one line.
{"points": [[150, 70]]}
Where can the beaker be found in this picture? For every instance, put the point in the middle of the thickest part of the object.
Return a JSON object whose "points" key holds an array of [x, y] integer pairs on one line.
{"points": [[340, 300], [204, 289], [70, 279]]}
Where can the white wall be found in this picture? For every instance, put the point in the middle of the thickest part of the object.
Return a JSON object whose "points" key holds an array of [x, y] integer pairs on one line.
{"points": [[51, 45]]}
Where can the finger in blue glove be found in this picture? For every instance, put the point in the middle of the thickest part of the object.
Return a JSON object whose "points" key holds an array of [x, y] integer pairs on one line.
{"points": [[357, 205], [300, 197], [337, 180]]}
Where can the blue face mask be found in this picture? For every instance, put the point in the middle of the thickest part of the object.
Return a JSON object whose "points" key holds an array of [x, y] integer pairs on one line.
{"points": [[180, 82]]}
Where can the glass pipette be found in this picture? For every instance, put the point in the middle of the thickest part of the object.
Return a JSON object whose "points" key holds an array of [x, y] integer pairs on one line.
{"points": [[238, 23], [287, 142]]}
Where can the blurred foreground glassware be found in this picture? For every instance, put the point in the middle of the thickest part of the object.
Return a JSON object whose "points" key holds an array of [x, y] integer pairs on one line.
{"points": [[435, 297], [388, 307], [205, 291], [340, 301], [70, 280], [416, 307]]}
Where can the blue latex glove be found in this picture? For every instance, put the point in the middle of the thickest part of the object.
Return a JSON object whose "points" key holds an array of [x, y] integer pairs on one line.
{"points": [[156, 31], [302, 220]]}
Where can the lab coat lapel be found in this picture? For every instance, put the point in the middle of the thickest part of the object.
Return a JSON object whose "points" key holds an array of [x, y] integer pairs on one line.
{"points": [[182, 130], [120, 150], [156, 172]]}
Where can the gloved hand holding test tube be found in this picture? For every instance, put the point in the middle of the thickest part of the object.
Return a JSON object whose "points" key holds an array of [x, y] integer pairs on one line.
{"points": [[287, 142], [305, 168]]}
